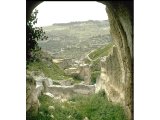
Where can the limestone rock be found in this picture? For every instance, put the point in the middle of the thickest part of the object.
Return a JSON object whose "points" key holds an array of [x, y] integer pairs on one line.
{"points": [[120, 16], [86, 118], [52, 116], [51, 108], [111, 77], [67, 82], [39, 90], [69, 117], [65, 92], [49, 94], [71, 71], [85, 73], [32, 102]]}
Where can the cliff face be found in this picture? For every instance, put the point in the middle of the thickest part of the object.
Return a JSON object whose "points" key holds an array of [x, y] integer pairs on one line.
{"points": [[111, 77], [116, 69]]}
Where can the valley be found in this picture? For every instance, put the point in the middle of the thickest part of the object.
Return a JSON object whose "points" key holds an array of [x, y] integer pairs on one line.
{"points": [[76, 39], [66, 80]]}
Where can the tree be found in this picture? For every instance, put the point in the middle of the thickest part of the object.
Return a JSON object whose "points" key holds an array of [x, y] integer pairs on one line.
{"points": [[33, 34]]}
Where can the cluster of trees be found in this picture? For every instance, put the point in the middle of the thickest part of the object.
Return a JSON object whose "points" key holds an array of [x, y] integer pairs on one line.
{"points": [[33, 34]]}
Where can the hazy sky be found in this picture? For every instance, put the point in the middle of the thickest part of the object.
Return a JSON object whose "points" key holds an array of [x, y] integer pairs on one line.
{"points": [[63, 12]]}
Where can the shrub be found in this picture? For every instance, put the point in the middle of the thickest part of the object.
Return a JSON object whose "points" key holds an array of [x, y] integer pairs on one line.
{"points": [[94, 76], [33, 34]]}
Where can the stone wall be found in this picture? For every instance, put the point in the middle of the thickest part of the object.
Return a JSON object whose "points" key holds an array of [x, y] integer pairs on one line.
{"points": [[82, 72], [58, 89], [66, 92]]}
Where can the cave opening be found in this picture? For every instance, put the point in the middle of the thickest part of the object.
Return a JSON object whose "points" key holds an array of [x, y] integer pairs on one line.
{"points": [[76, 36], [107, 66]]}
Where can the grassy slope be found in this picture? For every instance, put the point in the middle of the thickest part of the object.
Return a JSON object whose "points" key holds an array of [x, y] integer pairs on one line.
{"points": [[96, 55], [52, 71], [100, 52], [46, 66]]}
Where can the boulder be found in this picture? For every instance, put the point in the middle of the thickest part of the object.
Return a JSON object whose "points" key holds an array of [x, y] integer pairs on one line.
{"points": [[32, 102], [86, 118], [51, 108]]}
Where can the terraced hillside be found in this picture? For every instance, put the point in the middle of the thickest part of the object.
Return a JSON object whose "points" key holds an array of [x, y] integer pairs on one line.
{"points": [[94, 59], [75, 39]]}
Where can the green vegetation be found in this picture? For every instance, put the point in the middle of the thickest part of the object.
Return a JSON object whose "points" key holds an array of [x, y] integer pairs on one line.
{"points": [[46, 66], [95, 107], [75, 39], [33, 34], [100, 52], [94, 76], [71, 40], [50, 70], [43, 113], [95, 56]]}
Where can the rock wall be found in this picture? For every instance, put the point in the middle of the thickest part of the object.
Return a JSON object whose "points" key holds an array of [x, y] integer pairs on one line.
{"points": [[85, 73], [120, 14], [66, 92], [58, 89], [82, 72], [110, 78], [32, 102]]}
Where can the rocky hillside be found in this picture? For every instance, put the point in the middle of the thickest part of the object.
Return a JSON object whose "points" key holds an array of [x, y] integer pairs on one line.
{"points": [[94, 57], [99, 68], [47, 67], [75, 39], [54, 94]]}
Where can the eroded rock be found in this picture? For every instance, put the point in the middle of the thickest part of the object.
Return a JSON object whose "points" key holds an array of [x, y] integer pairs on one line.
{"points": [[32, 102], [85, 73], [111, 78], [65, 92]]}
